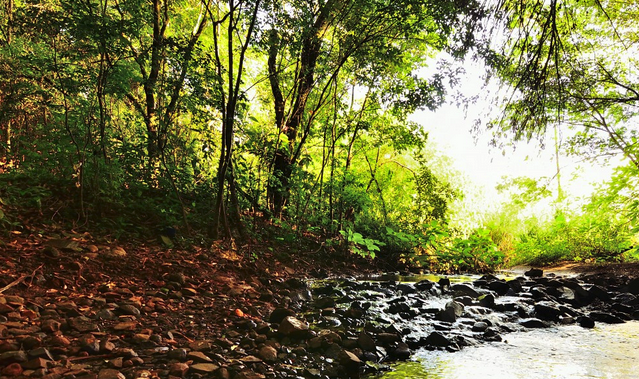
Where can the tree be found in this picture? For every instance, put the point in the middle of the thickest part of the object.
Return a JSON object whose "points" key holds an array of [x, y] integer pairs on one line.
{"points": [[572, 63], [310, 47]]}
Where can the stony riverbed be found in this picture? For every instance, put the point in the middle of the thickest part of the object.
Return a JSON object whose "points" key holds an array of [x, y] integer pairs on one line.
{"points": [[315, 329]]}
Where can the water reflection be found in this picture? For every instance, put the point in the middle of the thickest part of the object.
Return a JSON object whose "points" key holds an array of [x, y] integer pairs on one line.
{"points": [[608, 351]]}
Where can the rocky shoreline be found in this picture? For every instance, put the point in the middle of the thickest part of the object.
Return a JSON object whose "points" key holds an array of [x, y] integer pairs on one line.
{"points": [[182, 328]]}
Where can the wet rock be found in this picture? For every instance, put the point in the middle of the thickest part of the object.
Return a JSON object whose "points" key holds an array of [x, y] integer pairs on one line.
{"points": [[606, 317], [479, 326], [424, 285], [401, 352], [586, 322], [487, 300], [633, 286], [366, 342], [451, 311], [600, 293], [464, 290], [500, 287], [293, 327], [534, 273], [437, 339], [533, 323], [547, 311]]}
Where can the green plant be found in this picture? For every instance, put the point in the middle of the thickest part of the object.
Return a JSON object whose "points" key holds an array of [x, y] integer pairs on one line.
{"points": [[365, 247]]}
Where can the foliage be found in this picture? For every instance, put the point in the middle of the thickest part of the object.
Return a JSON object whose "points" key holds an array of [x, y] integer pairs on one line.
{"points": [[357, 244], [439, 249]]}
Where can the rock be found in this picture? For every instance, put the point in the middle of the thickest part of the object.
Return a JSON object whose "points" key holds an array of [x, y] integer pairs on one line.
{"points": [[268, 354], [633, 286], [600, 293], [464, 290], [177, 354], [451, 311], [545, 310], [41, 352], [125, 325], [388, 338], [50, 326], [487, 301], [279, 314], [349, 359], [198, 356], [500, 287], [83, 324], [533, 323], [250, 359], [401, 352], [586, 322], [366, 342], [178, 369], [608, 318], [479, 326], [248, 374], [13, 357], [534, 273], [200, 345], [14, 369], [60, 341], [35, 364], [105, 314], [204, 368], [109, 373], [293, 327], [128, 309], [437, 339]]}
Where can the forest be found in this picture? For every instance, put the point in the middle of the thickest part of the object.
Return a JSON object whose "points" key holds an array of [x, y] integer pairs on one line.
{"points": [[242, 121]]}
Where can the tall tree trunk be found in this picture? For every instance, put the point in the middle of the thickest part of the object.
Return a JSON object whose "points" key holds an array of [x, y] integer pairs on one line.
{"points": [[284, 159], [226, 174]]}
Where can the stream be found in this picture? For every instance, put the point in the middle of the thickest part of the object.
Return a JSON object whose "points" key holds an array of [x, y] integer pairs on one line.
{"points": [[561, 351], [607, 351]]}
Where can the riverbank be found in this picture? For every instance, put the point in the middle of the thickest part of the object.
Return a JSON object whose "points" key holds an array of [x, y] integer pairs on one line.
{"points": [[73, 307]]}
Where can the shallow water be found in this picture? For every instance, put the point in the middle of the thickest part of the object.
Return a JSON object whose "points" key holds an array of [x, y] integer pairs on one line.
{"points": [[607, 351]]}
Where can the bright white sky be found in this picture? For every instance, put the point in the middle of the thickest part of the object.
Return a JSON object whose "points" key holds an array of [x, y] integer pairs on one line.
{"points": [[450, 130]]}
